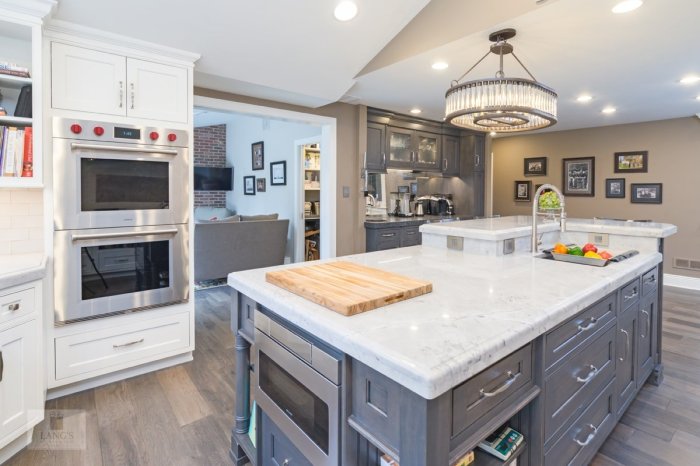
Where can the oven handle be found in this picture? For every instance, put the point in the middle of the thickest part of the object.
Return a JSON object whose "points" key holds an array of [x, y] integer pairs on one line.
{"points": [[80, 145], [123, 234]]}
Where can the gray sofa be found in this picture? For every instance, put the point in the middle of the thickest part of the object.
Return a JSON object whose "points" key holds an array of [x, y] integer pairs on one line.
{"points": [[233, 244]]}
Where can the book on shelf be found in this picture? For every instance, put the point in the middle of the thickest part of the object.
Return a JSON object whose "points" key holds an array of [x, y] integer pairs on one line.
{"points": [[28, 154], [16, 152], [466, 460], [502, 443], [13, 70]]}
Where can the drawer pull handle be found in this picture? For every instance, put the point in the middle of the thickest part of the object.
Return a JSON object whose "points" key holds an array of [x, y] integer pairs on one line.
{"points": [[2, 366], [648, 319], [627, 344], [285, 462], [131, 343], [503, 387], [14, 307], [591, 374], [651, 279], [590, 437], [634, 293], [591, 323], [388, 235], [410, 232]]}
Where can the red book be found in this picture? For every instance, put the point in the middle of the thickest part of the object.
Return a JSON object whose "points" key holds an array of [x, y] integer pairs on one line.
{"points": [[28, 159]]}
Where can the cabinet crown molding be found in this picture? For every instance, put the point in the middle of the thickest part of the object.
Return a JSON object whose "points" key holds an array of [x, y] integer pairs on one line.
{"points": [[86, 36], [33, 10]]}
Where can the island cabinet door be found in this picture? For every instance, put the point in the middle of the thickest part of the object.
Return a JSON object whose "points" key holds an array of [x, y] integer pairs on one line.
{"points": [[626, 370], [646, 337]]}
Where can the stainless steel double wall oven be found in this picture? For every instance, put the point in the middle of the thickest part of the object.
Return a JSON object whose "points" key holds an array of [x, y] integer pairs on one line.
{"points": [[121, 213]]}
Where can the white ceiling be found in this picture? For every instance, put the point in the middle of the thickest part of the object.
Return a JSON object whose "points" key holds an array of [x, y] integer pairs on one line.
{"points": [[296, 52]]}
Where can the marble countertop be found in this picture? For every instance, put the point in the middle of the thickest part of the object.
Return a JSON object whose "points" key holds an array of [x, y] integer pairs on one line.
{"points": [[389, 221], [481, 309], [621, 227], [494, 229], [21, 268]]}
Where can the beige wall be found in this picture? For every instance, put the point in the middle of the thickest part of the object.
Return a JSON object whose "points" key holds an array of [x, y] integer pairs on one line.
{"points": [[674, 160], [350, 237]]}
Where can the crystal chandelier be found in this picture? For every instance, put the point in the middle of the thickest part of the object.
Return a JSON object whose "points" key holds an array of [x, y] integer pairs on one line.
{"points": [[500, 104]]}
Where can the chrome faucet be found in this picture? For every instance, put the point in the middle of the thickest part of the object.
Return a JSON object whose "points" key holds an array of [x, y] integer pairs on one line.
{"points": [[535, 206]]}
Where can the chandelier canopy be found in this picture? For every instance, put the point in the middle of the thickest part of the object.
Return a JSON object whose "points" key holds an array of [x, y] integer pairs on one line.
{"points": [[501, 104]]}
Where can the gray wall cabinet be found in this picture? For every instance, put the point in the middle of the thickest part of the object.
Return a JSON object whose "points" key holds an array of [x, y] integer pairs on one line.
{"points": [[450, 155], [564, 391], [376, 147]]}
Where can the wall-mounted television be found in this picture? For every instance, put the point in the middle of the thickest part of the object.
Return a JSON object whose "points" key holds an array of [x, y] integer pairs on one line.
{"points": [[213, 178]]}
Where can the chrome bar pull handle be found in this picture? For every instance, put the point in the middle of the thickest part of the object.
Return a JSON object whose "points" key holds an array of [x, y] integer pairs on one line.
{"points": [[503, 387], [591, 323], [634, 293], [81, 145], [123, 234], [591, 374], [131, 343], [2, 366], [648, 322], [591, 436], [627, 344], [133, 97], [121, 94]]}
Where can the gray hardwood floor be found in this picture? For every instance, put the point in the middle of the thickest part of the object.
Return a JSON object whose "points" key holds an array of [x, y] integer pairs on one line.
{"points": [[182, 415]]}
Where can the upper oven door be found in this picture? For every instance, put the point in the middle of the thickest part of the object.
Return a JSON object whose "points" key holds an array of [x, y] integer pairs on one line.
{"points": [[113, 270], [102, 185]]}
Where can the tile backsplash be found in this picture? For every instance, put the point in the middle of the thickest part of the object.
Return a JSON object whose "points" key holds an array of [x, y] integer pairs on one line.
{"points": [[21, 221]]}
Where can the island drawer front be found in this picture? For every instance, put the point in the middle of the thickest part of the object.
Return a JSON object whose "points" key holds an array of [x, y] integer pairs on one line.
{"points": [[584, 326], [376, 404], [572, 387], [486, 390], [585, 436], [650, 281], [629, 294], [88, 352], [277, 449], [388, 238], [246, 316], [410, 236], [16, 302]]}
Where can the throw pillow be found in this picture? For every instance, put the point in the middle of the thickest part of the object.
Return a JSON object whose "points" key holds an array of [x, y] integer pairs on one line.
{"points": [[253, 218]]}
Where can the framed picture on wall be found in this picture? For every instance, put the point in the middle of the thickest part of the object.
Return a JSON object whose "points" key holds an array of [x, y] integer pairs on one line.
{"points": [[646, 193], [257, 150], [535, 166], [249, 185], [278, 173], [615, 188], [579, 176], [260, 185], [632, 162], [522, 190]]}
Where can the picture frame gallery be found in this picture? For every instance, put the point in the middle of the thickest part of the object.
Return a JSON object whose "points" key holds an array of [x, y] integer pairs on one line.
{"points": [[579, 176]]}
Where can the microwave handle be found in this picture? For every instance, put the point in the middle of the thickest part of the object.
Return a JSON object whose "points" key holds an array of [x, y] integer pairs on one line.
{"points": [[122, 234], [80, 145]]}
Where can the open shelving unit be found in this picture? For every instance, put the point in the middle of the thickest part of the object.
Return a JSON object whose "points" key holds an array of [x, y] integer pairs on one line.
{"points": [[311, 161], [21, 39]]}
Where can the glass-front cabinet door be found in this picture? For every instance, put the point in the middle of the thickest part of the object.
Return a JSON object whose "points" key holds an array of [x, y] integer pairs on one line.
{"points": [[427, 151], [400, 148]]}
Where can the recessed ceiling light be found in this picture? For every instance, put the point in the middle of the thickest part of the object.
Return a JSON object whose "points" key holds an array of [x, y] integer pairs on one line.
{"points": [[416, 111], [345, 11], [609, 110], [584, 98], [626, 6], [440, 65], [691, 79]]}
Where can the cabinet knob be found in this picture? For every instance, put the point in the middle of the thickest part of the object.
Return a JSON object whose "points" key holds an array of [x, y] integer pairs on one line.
{"points": [[14, 307]]}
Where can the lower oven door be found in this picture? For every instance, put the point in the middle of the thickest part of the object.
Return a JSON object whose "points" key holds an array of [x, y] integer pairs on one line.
{"points": [[100, 272], [300, 401]]}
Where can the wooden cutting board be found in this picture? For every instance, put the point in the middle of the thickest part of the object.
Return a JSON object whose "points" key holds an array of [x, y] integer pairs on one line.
{"points": [[348, 288]]}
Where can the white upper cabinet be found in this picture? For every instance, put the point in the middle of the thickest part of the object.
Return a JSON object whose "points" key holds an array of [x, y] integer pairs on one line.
{"points": [[87, 80], [156, 91]]}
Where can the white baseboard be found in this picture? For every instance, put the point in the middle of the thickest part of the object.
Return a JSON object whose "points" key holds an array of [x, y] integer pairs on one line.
{"points": [[15, 446], [116, 376], [681, 281]]}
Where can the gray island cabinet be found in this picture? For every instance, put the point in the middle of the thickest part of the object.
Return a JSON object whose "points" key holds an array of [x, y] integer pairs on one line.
{"points": [[556, 351]]}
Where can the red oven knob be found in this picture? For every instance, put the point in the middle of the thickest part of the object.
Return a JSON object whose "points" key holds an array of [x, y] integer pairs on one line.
{"points": [[154, 135], [99, 130], [76, 128], [172, 137]]}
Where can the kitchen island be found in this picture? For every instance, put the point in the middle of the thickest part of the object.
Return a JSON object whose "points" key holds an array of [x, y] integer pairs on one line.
{"points": [[548, 348]]}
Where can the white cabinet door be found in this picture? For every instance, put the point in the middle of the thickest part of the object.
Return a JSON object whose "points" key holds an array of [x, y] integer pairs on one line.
{"points": [[87, 80], [20, 384], [156, 91]]}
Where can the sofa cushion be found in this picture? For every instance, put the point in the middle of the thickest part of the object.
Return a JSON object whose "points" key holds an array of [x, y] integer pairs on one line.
{"points": [[211, 213], [232, 218], [253, 218]]}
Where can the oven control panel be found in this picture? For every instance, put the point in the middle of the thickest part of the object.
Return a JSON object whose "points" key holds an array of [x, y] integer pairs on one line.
{"points": [[89, 130]]}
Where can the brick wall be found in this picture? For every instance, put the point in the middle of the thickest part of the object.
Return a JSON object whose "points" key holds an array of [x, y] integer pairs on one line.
{"points": [[22, 228], [210, 151]]}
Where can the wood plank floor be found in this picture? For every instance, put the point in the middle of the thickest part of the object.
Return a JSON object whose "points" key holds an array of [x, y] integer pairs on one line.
{"points": [[183, 415]]}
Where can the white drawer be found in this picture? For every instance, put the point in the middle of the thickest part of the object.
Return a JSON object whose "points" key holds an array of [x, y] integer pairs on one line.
{"points": [[18, 302], [89, 352]]}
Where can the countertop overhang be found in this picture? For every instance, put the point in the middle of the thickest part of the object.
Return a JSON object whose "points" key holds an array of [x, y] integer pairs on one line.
{"points": [[481, 309], [22, 268]]}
